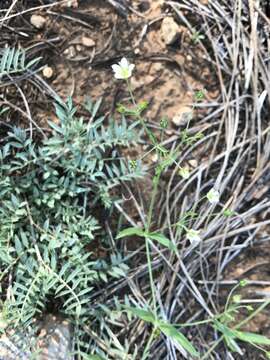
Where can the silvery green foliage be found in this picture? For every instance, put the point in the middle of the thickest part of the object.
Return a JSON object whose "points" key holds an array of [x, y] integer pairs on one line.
{"points": [[13, 61], [50, 193]]}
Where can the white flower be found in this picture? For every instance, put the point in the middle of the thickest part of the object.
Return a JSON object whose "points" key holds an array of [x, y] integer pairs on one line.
{"points": [[213, 196], [184, 172], [193, 236], [123, 70]]}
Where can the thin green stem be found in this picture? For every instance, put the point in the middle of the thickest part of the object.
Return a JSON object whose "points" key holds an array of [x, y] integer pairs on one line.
{"points": [[148, 225], [230, 295], [152, 203], [151, 278], [208, 353], [147, 244], [141, 120], [254, 313]]}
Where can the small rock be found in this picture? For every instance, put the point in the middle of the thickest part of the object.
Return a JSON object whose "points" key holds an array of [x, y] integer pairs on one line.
{"points": [[11, 348], [193, 163], [157, 66], [70, 52], [183, 115], [37, 21], [154, 157], [88, 42], [72, 4], [47, 72], [55, 339], [170, 30], [189, 57]]}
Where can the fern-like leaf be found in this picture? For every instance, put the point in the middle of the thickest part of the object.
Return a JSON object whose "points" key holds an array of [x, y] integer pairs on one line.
{"points": [[14, 61]]}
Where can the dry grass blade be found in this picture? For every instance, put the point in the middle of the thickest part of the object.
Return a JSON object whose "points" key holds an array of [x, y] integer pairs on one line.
{"points": [[232, 155]]}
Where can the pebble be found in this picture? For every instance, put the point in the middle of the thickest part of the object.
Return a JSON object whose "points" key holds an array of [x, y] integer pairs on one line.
{"points": [[70, 52], [170, 30], [88, 42], [72, 4], [47, 72], [38, 21], [154, 158], [54, 342], [183, 115], [156, 66], [55, 339], [193, 163]]}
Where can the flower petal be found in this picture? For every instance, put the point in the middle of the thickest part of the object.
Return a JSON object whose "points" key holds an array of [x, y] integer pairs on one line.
{"points": [[213, 196], [116, 68], [184, 172], [124, 63], [193, 236], [119, 75]]}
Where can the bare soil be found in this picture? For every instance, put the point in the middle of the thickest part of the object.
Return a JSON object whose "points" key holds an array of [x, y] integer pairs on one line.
{"points": [[166, 75]]}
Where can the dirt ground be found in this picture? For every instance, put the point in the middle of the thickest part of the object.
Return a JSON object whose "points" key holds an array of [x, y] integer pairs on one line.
{"points": [[78, 44]]}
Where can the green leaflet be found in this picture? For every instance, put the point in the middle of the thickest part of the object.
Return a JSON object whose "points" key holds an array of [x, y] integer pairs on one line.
{"points": [[167, 329], [142, 314], [160, 238], [251, 337], [163, 240], [231, 335], [130, 231], [171, 332]]}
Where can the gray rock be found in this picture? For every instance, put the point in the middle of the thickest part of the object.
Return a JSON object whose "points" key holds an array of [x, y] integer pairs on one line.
{"points": [[53, 342], [38, 21], [182, 116], [55, 339], [170, 30], [88, 42]]}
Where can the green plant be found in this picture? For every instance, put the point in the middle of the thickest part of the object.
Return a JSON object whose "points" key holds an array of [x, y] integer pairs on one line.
{"points": [[166, 159], [153, 236], [13, 61], [152, 313], [231, 333], [53, 196], [197, 37], [161, 326]]}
